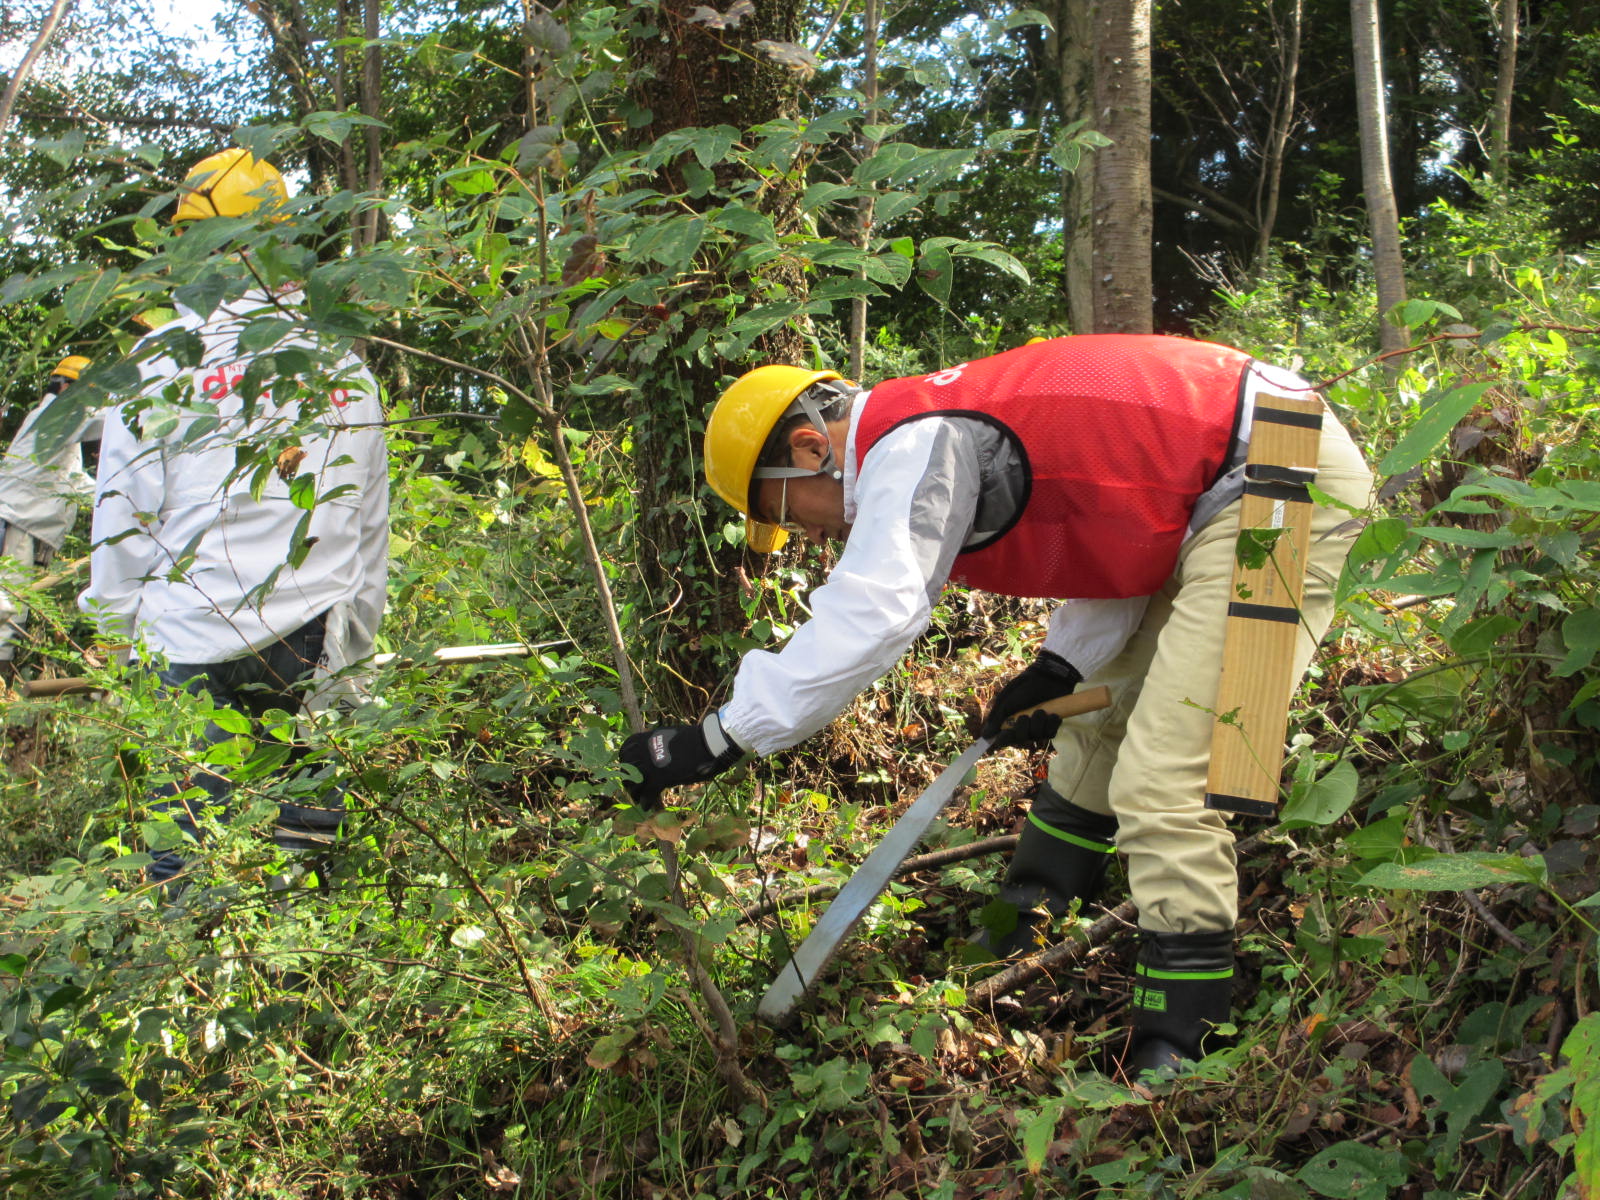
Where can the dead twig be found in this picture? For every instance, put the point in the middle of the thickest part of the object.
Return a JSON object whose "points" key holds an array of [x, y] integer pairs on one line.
{"points": [[1066, 953]]}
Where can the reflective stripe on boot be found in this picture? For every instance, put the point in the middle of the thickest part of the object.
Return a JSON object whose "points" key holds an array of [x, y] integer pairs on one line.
{"points": [[1183, 989]]}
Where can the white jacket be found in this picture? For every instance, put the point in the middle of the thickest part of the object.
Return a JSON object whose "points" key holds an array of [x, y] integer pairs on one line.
{"points": [[192, 553], [42, 495]]}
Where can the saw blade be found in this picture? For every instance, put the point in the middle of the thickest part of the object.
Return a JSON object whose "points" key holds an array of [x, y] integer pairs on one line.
{"points": [[863, 889]]}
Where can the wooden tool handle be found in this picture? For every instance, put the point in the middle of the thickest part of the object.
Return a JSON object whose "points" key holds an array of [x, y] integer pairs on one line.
{"points": [[1073, 703], [71, 685]]}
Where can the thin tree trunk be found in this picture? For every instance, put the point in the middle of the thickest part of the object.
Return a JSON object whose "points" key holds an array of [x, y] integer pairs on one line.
{"points": [[291, 42], [1072, 45], [1373, 121], [1278, 136], [370, 228], [869, 146], [57, 11], [1504, 83], [1122, 270]]}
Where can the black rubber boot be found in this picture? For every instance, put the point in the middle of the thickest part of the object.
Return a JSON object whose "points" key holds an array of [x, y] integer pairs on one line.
{"points": [[1060, 863], [1183, 989]]}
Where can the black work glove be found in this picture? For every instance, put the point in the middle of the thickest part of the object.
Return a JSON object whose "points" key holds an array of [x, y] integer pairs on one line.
{"points": [[1047, 677], [672, 755]]}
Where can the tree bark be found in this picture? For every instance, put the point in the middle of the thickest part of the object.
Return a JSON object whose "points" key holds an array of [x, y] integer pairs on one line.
{"points": [[25, 67], [869, 146], [1071, 46], [693, 76], [1121, 260], [1504, 84], [1373, 121]]}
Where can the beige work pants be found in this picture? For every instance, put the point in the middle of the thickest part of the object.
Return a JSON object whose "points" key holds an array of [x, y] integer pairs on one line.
{"points": [[1144, 759]]}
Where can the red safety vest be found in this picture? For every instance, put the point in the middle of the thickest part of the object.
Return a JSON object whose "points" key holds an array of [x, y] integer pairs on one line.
{"points": [[1120, 434]]}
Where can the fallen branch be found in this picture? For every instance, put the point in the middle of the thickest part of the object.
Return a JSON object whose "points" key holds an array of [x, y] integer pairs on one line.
{"points": [[1066, 953], [1060, 955]]}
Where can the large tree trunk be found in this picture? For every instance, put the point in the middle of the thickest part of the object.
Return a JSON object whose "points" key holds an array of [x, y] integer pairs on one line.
{"points": [[1373, 121], [1121, 261], [696, 76]]}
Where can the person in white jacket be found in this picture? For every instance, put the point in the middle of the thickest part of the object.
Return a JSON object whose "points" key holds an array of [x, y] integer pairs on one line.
{"points": [[40, 495], [1105, 471], [241, 535]]}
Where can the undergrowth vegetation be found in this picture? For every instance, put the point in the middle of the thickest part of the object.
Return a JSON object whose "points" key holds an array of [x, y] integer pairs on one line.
{"points": [[487, 989]]}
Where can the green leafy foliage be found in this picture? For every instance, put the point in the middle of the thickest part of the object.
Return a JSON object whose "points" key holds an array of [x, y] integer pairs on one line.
{"points": [[493, 984]]}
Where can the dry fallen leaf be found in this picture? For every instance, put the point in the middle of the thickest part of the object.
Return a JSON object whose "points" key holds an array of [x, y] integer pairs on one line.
{"points": [[289, 463]]}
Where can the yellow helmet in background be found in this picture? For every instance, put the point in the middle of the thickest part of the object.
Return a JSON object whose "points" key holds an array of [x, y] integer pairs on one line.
{"points": [[71, 366], [742, 420], [233, 183]]}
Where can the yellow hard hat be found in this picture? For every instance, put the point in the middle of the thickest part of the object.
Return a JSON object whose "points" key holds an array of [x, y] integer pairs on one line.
{"points": [[233, 183], [71, 366], [740, 424]]}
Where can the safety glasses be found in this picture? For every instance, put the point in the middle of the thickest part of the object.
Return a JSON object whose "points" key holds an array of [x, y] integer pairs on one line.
{"points": [[783, 521]]}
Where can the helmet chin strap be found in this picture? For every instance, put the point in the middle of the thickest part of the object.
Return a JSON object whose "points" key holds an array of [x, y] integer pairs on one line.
{"points": [[828, 466]]}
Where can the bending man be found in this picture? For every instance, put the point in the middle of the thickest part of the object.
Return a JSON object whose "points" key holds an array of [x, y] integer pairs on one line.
{"points": [[1101, 470]]}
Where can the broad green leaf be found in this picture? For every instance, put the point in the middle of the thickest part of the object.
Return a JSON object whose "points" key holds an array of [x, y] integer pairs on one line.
{"points": [[263, 333], [711, 145], [765, 316], [892, 268], [756, 226], [336, 126], [1431, 429], [1581, 632], [1455, 873], [935, 271], [205, 293], [1582, 1053], [670, 244], [1384, 839], [1479, 636], [1478, 539], [1027, 16], [834, 1084], [825, 128], [1037, 1135], [1327, 799], [845, 287], [260, 140], [891, 206], [1353, 1171], [817, 195], [1002, 138], [995, 257], [888, 160], [88, 296], [1465, 1104]]}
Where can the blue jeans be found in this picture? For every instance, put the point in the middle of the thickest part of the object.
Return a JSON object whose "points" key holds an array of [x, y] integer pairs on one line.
{"points": [[265, 679]]}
